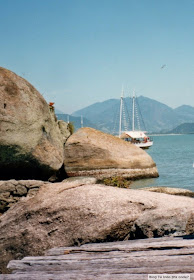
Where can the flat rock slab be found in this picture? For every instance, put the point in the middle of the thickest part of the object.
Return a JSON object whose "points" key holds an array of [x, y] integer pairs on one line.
{"points": [[72, 214], [132, 259], [169, 190]]}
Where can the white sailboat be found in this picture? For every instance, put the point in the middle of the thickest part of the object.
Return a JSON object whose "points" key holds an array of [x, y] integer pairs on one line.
{"points": [[137, 137]]}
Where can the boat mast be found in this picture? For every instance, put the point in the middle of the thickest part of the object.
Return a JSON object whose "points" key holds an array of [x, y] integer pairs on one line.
{"points": [[82, 121], [121, 110], [133, 116]]}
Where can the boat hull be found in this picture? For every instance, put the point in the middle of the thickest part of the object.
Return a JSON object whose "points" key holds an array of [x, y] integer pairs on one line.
{"points": [[146, 145]]}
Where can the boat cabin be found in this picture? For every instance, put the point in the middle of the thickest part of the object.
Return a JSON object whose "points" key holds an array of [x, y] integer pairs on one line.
{"points": [[138, 138]]}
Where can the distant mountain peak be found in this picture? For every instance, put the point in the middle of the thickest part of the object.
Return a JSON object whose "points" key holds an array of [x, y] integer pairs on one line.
{"points": [[184, 107], [184, 128], [57, 111], [157, 116]]}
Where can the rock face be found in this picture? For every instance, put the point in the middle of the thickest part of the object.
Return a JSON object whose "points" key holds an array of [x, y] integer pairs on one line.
{"points": [[12, 191], [89, 152], [31, 143], [71, 213], [173, 191], [190, 225], [63, 126]]}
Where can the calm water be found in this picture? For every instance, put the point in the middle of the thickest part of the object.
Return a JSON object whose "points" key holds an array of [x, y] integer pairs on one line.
{"points": [[174, 157]]}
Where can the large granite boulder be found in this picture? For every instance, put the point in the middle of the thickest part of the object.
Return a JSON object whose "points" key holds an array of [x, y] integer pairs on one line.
{"points": [[31, 142], [73, 213], [89, 152]]}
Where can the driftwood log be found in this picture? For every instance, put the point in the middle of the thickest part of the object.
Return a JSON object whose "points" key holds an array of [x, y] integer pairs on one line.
{"points": [[126, 260]]}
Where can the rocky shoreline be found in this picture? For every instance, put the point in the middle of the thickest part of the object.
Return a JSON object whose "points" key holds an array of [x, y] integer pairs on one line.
{"points": [[11, 191], [44, 199], [78, 211]]}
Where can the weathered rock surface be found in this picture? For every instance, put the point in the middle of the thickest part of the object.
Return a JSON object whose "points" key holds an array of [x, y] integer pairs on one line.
{"points": [[89, 152], [190, 225], [167, 190], [79, 181], [126, 260], [63, 126], [12, 191], [31, 142], [70, 213]]}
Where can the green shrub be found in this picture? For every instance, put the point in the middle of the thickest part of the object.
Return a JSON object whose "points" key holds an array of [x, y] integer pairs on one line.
{"points": [[117, 181], [71, 127]]}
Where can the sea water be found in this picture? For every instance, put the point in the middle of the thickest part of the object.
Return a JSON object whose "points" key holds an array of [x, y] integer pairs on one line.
{"points": [[174, 157]]}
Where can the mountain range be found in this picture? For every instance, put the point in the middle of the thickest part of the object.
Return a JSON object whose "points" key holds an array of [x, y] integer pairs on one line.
{"points": [[157, 117], [76, 121], [184, 128]]}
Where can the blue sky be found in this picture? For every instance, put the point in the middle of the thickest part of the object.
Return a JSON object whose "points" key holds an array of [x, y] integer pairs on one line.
{"points": [[78, 52]]}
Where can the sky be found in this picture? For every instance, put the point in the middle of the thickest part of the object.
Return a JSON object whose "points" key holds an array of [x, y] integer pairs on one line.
{"points": [[78, 52]]}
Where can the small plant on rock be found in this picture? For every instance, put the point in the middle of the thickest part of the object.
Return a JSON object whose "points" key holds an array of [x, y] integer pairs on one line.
{"points": [[117, 181], [71, 127]]}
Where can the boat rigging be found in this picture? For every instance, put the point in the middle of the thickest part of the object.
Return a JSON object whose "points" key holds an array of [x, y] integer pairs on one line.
{"points": [[135, 136]]}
